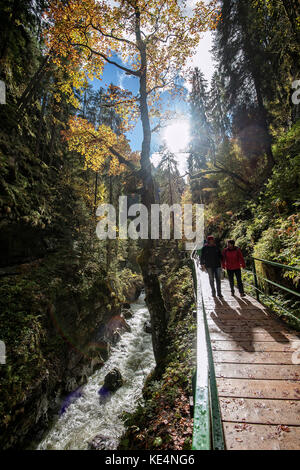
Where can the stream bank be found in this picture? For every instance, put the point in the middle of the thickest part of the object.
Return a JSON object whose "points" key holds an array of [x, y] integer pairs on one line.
{"points": [[91, 423], [163, 421]]}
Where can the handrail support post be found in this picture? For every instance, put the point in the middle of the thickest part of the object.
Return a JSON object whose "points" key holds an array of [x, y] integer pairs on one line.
{"points": [[255, 279]]}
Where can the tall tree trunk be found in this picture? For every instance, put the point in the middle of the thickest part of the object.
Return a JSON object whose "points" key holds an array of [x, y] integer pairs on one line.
{"points": [[269, 152], [171, 202], [39, 133], [154, 298], [109, 241], [31, 87], [96, 191], [250, 52]]}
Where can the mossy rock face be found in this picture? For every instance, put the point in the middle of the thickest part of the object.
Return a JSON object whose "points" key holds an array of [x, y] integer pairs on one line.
{"points": [[131, 285], [133, 292], [20, 243], [48, 323]]}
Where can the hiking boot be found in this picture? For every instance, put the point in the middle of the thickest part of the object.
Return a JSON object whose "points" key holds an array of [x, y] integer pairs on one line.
{"points": [[243, 294]]}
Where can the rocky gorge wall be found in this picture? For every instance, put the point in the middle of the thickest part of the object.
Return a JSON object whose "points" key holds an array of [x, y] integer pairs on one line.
{"points": [[58, 330]]}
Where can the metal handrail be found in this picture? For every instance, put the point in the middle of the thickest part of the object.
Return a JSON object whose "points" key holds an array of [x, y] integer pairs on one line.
{"points": [[273, 263], [279, 285], [289, 314], [207, 431], [259, 291]]}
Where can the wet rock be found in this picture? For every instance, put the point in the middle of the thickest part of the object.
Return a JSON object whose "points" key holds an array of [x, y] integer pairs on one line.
{"points": [[101, 442], [97, 352], [133, 289], [126, 306], [126, 313], [115, 337], [133, 293], [147, 327], [113, 380], [114, 328], [42, 408]]}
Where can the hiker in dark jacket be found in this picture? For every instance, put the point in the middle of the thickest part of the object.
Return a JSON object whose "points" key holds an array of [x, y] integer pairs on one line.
{"points": [[211, 258], [233, 260]]}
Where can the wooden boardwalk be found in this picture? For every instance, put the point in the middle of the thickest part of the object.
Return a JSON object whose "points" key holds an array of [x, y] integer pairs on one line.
{"points": [[258, 377]]}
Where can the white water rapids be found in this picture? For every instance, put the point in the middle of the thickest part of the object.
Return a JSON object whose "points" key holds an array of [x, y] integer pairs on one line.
{"points": [[86, 417]]}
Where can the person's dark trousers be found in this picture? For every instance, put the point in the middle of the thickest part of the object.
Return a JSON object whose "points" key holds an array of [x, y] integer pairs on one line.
{"points": [[238, 275], [214, 273]]}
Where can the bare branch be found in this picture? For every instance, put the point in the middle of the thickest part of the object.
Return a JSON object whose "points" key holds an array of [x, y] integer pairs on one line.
{"points": [[221, 170], [125, 69], [112, 36]]}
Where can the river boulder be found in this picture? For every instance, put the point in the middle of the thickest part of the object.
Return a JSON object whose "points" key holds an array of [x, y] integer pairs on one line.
{"points": [[113, 380], [126, 313], [114, 329], [147, 327]]}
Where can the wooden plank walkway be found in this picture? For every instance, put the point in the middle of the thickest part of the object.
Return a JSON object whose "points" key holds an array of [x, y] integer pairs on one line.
{"points": [[258, 377]]}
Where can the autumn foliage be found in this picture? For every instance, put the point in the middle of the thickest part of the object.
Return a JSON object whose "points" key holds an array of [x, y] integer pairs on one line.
{"points": [[150, 39]]}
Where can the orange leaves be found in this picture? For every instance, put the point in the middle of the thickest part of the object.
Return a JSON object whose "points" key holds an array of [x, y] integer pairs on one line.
{"points": [[206, 15], [100, 147], [172, 423]]}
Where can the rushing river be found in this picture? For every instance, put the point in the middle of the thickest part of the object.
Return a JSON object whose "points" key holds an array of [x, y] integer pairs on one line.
{"points": [[86, 417]]}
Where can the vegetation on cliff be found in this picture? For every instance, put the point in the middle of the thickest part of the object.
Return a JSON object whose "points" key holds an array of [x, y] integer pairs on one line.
{"points": [[58, 282]]}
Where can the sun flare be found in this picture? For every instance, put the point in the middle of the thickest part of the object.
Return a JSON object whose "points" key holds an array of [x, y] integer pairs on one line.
{"points": [[177, 136]]}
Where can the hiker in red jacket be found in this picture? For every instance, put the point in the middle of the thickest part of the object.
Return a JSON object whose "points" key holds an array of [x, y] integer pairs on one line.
{"points": [[232, 261]]}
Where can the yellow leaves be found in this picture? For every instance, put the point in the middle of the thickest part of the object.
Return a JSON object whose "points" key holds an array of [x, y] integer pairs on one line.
{"points": [[94, 28], [206, 15], [84, 35], [98, 146]]}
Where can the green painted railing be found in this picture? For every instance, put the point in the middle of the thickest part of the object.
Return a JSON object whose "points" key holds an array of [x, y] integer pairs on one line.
{"points": [[207, 431], [258, 291]]}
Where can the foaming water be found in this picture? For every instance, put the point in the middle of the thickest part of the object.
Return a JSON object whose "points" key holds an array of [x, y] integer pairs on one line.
{"points": [[133, 356]]}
